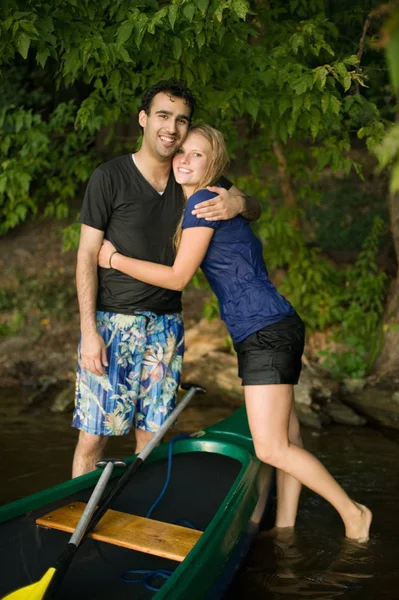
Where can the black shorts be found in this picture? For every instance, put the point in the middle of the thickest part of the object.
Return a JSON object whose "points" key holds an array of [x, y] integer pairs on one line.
{"points": [[272, 354]]}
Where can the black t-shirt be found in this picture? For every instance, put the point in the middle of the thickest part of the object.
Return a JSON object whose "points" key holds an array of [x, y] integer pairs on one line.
{"points": [[140, 223]]}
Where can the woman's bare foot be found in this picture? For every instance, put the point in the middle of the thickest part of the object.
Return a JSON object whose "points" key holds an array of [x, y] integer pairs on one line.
{"points": [[277, 532], [358, 527]]}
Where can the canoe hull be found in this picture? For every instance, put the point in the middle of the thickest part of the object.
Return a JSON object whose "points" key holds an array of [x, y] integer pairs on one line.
{"points": [[217, 484]]}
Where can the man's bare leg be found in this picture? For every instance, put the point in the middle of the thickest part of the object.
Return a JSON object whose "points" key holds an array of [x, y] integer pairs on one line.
{"points": [[89, 450], [142, 439]]}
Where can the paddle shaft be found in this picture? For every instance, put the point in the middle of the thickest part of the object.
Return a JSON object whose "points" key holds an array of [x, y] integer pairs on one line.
{"points": [[66, 557], [136, 464], [91, 506]]}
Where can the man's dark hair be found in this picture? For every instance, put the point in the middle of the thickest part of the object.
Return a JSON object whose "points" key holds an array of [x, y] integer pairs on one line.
{"points": [[174, 87]]}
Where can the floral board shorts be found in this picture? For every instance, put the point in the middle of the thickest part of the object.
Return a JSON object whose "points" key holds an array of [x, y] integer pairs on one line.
{"points": [[145, 356]]}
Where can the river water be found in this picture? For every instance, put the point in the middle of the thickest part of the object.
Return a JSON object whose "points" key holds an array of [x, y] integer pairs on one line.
{"points": [[315, 563]]}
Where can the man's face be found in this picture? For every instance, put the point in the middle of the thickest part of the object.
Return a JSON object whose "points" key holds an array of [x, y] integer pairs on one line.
{"points": [[165, 126]]}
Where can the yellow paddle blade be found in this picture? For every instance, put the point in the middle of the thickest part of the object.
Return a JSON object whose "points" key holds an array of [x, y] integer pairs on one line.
{"points": [[34, 591]]}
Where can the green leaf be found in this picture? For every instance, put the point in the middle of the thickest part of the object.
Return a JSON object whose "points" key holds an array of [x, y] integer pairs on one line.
{"points": [[335, 105], [325, 102], [29, 28], [219, 12], [42, 56], [343, 75], [351, 60], [315, 118], [297, 41], [320, 76], [141, 26], [204, 72], [71, 62], [23, 44], [284, 103], [172, 14], [252, 107], [177, 48], [240, 7], [189, 11], [282, 130], [200, 39], [124, 32], [124, 54], [202, 5], [114, 83], [304, 83], [297, 103]]}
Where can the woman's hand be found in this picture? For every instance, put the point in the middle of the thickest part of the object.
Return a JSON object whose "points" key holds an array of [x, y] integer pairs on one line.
{"points": [[106, 251]]}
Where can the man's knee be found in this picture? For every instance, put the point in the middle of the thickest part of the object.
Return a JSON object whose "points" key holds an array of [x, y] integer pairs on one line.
{"points": [[89, 442]]}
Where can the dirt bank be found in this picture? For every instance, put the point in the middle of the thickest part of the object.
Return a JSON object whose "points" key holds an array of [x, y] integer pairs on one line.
{"points": [[39, 323]]}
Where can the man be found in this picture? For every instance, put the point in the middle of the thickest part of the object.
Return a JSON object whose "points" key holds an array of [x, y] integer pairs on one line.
{"points": [[131, 348]]}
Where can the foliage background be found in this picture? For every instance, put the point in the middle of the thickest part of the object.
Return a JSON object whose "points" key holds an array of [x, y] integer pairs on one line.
{"points": [[300, 90]]}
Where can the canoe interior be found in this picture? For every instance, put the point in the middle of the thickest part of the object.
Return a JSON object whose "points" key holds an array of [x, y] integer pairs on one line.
{"points": [[199, 484]]}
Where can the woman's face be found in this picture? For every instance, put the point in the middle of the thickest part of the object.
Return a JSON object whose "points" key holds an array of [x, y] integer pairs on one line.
{"points": [[191, 161]]}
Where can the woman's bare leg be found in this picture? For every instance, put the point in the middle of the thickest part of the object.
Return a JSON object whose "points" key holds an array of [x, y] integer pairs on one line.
{"points": [[289, 488], [269, 409]]}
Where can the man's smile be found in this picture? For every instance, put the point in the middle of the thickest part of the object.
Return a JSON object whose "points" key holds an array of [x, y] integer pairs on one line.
{"points": [[166, 139]]}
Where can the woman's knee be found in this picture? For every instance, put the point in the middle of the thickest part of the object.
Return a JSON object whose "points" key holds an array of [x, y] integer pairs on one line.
{"points": [[295, 437], [294, 430], [272, 454]]}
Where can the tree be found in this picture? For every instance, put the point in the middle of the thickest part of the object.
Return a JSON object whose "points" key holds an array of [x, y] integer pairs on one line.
{"points": [[286, 82], [388, 154], [91, 61]]}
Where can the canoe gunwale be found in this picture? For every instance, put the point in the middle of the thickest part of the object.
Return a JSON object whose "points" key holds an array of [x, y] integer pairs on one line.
{"points": [[217, 542], [228, 525], [34, 501]]}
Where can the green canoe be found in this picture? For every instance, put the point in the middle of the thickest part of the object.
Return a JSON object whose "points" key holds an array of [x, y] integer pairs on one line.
{"points": [[217, 487]]}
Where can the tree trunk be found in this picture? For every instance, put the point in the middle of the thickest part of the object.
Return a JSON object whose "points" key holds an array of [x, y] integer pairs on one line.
{"points": [[388, 361], [287, 188]]}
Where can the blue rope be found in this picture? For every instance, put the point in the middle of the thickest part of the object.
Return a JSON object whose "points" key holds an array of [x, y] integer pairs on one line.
{"points": [[184, 523], [148, 574], [167, 481]]}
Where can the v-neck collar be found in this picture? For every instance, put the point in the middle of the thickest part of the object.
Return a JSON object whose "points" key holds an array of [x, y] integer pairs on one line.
{"points": [[135, 167]]}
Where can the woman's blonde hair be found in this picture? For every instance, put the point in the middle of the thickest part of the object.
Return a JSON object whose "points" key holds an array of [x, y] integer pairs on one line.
{"points": [[217, 166]]}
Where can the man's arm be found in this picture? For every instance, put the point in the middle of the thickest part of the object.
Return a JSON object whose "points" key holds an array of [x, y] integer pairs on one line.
{"points": [[228, 204], [92, 345]]}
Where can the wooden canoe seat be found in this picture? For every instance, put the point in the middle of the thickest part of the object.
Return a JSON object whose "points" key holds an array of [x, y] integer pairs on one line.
{"points": [[129, 531]]}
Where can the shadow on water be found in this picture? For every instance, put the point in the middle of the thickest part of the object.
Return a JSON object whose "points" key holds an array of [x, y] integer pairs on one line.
{"points": [[313, 563]]}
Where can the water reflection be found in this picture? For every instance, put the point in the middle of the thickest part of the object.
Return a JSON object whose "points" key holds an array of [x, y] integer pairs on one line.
{"points": [[315, 561], [294, 574]]}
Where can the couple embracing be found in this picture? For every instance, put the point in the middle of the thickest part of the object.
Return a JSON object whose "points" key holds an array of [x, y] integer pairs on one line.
{"points": [[149, 220]]}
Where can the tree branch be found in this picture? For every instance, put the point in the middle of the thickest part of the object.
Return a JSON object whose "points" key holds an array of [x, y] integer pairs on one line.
{"points": [[362, 44]]}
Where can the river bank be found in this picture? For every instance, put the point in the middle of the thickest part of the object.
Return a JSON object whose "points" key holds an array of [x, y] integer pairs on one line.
{"points": [[39, 332]]}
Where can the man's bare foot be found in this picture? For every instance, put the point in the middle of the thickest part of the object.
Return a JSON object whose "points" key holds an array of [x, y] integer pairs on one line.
{"points": [[358, 527]]}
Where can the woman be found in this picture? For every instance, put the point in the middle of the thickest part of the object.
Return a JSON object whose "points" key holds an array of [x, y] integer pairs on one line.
{"points": [[267, 333]]}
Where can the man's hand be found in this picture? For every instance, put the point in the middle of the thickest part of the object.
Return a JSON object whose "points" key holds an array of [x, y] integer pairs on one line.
{"points": [[106, 251], [93, 353], [226, 205]]}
